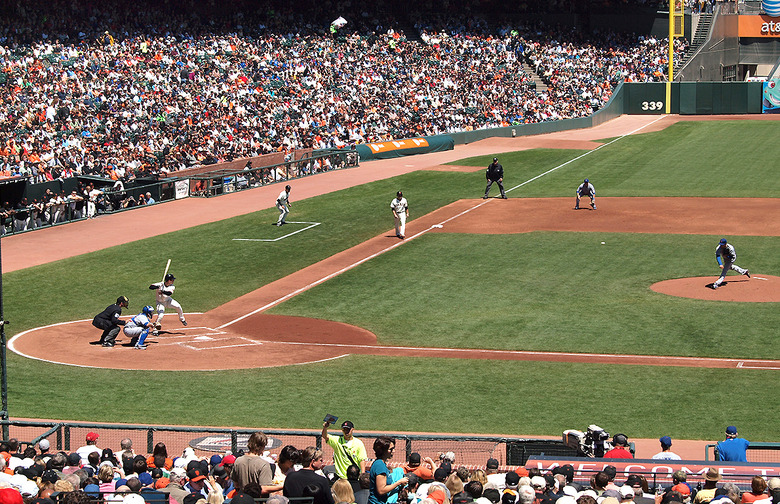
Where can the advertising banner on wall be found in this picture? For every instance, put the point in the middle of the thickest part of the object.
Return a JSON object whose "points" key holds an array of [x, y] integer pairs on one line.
{"points": [[770, 98], [182, 188]]}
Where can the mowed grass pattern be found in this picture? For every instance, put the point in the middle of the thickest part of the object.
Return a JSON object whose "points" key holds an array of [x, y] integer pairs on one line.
{"points": [[552, 292], [559, 291]]}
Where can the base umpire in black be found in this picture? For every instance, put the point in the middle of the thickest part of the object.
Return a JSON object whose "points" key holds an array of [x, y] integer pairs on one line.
{"points": [[109, 321], [494, 173]]}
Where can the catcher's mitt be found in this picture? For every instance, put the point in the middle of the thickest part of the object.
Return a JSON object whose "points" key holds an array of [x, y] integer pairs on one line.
{"points": [[157, 326]]}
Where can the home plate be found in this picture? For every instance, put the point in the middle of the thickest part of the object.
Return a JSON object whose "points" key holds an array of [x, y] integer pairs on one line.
{"points": [[203, 338]]}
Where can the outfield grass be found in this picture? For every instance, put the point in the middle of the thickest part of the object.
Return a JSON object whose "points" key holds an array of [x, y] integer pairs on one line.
{"points": [[550, 291], [709, 159], [545, 291]]}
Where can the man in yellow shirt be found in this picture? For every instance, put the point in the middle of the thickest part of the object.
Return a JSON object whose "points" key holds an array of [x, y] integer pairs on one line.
{"points": [[347, 449]]}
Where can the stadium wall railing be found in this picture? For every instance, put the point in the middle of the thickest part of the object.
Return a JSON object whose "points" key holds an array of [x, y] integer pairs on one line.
{"points": [[214, 180], [470, 451]]}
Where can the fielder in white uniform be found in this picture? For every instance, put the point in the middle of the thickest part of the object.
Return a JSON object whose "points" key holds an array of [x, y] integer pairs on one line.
{"points": [[283, 205], [400, 209], [164, 300], [138, 327], [726, 255]]}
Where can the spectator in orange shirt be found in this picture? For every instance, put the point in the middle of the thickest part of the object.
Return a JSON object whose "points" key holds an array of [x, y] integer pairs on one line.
{"points": [[757, 492], [159, 458], [414, 466]]}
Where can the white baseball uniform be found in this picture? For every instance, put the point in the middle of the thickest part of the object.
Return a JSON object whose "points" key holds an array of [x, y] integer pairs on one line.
{"points": [[166, 301], [400, 209], [283, 205]]}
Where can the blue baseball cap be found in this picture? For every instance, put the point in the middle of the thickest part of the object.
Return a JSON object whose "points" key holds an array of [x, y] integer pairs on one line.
{"points": [[586, 180], [666, 441], [731, 430], [723, 241]]}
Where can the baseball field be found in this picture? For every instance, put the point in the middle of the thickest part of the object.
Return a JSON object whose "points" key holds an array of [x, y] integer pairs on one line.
{"points": [[513, 280]]}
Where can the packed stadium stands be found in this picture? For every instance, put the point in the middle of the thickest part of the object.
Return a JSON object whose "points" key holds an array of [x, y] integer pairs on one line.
{"points": [[98, 472], [135, 93]]}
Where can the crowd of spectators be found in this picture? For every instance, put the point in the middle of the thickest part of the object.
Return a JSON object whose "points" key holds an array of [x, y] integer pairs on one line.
{"points": [[133, 91], [92, 474]]}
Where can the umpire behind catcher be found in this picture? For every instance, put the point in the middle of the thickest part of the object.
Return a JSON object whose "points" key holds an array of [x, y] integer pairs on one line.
{"points": [[109, 321], [494, 173]]}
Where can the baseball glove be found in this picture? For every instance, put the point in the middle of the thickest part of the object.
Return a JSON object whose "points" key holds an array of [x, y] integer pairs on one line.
{"points": [[157, 326]]}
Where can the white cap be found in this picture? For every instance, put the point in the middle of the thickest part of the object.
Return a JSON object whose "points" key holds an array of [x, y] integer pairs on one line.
{"points": [[626, 491], [133, 499], [43, 444]]}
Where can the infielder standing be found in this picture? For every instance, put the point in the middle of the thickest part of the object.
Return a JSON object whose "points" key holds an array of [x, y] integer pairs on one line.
{"points": [[586, 189], [138, 327], [283, 205], [164, 300], [726, 255], [400, 209]]}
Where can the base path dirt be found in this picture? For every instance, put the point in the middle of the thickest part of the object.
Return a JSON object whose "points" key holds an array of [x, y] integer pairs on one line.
{"points": [[239, 334]]}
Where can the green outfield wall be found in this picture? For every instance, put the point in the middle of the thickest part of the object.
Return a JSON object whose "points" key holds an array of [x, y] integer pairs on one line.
{"points": [[639, 98]]}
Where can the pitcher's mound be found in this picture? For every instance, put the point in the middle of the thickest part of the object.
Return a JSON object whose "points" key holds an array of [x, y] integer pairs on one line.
{"points": [[757, 289]]}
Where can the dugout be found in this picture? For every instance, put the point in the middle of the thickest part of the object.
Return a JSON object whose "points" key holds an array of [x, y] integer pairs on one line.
{"points": [[12, 190]]}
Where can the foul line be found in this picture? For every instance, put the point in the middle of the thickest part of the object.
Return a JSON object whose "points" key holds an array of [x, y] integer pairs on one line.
{"points": [[434, 226], [586, 153], [313, 224], [738, 363], [345, 269]]}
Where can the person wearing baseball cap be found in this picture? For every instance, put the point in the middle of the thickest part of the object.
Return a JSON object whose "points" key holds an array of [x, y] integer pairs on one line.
{"points": [[347, 449], [585, 189], [88, 448], [733, 448], [108, 320], [197, 482], [44, 446], [415, 466], [726, 255], [666, 452], [494, 173], [620, 451]]}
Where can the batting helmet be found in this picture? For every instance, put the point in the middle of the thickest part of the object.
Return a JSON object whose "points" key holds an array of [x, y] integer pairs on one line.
{"points": [[148, 310], [169, 277]]}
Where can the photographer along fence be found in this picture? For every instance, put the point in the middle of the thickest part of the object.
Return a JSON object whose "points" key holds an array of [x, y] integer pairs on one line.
{"points": [[470, 451]]}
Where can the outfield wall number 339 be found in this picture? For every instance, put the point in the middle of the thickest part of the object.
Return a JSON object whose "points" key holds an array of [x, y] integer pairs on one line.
{"points": [[652, 105]]}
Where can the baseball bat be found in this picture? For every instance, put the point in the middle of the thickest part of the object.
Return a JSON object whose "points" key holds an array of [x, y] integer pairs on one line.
{"points": [[166, 270]]}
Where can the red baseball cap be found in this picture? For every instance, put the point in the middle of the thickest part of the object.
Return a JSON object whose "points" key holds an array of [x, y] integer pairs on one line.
{"points": [[92, 436]]}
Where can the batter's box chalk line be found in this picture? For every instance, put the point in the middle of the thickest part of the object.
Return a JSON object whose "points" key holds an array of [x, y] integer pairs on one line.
{"points": [[311, 225], [247, 342]]}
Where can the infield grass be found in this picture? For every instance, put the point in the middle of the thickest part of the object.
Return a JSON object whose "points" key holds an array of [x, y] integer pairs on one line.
{"points": [[559, 291]]}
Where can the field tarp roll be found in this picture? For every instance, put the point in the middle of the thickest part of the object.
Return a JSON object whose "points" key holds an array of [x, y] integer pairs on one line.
{"points": [[405, 147]]}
